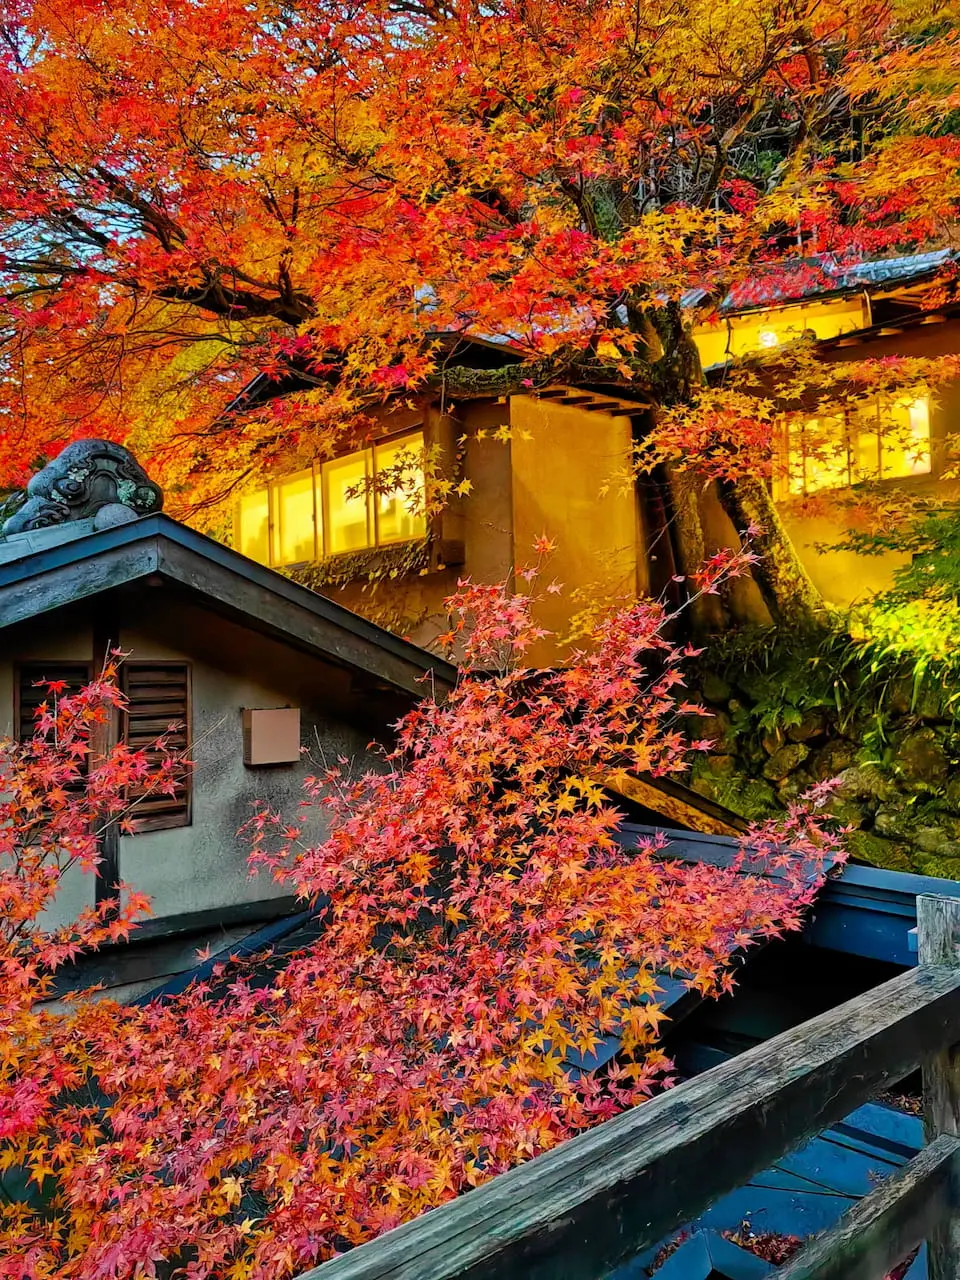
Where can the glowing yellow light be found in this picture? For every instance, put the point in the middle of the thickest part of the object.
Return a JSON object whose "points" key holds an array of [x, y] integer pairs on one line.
{"points": [[768, 338]]}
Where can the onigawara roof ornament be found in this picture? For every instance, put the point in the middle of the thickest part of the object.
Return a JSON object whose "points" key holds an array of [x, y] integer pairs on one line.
{"points": [[90, 479]]}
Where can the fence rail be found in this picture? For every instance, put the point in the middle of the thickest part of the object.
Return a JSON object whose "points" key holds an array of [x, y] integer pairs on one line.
{"points": [[578, 1211]]}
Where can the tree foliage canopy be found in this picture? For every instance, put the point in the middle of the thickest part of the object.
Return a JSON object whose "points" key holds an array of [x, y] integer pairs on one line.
{"points": [[484, 931], [193, 193]]}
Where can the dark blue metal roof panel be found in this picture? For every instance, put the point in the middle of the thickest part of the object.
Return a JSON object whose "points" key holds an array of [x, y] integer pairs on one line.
{"points": [[863, 911], [802, 1194]]}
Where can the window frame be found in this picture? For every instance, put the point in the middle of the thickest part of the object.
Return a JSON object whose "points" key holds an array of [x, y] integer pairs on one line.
{"points": [[163, 821], [321, 520]]}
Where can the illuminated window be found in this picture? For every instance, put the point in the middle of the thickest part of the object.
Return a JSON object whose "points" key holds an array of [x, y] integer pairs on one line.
{"points": [[884, 438], [253, 521], [905, 440], [296, 518], [346, 501], [750, 333], [399, 491], [370, 498]]}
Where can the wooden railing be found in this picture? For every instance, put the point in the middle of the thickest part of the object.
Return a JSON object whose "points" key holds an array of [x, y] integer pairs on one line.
{"points": [[578, 1211]]}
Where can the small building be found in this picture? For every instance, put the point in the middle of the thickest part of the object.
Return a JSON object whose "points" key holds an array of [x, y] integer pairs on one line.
{"points": [[559, 461], [266, 680]]}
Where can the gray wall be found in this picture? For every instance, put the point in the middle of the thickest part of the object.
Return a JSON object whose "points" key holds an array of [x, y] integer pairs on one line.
{"points": [[203, 865]]}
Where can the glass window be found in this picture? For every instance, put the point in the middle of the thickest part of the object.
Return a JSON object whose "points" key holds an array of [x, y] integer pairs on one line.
{"points": [[399, 490], [297, 541], [906, 438], [882, 439], [347, 502], [866, 433], [254, 526], [826, 462], [373, 497]]}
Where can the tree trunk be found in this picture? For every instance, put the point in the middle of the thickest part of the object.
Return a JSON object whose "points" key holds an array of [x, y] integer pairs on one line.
{"points": [[784, 584], [705, 611], [787, 588]]}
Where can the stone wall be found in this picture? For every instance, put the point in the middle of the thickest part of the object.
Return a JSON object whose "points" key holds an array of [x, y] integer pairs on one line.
{"points": [[897, 757]]}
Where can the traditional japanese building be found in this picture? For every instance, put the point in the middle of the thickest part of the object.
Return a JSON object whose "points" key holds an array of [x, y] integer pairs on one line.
{"points": [[263, 680], [540, 462]]}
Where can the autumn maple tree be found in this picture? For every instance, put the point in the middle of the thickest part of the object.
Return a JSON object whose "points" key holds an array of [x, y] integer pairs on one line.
{"points": [[194, 194], [484, 933], [59, 795]]}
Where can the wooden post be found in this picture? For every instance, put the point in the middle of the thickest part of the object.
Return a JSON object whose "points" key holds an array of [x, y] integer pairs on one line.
{"points": [[938, 937], [106, 637]]}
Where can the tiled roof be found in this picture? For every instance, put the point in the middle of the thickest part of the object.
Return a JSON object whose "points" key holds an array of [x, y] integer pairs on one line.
{"points": [[812, 277]]}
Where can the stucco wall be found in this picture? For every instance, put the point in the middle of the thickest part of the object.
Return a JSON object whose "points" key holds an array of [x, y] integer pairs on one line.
{"points": [[203, 865], [569, 482]]}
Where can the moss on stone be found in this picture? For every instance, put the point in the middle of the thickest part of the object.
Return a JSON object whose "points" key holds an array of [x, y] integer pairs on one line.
{"points": [[882, 853]]}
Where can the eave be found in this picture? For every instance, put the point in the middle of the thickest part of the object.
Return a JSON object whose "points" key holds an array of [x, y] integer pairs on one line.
{"points": [[161, 551]]}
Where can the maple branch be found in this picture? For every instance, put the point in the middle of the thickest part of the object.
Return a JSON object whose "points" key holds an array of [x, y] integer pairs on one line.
{"points": [[218, 298], [157, 220]]}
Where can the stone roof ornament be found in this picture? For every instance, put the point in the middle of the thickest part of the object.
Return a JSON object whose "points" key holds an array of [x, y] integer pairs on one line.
{"points": [[91, 480]]}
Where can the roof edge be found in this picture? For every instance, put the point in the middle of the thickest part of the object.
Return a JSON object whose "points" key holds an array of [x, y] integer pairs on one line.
{"points": [[161, 529]]}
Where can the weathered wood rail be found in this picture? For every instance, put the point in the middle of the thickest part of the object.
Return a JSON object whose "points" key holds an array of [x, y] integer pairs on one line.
{"points": [[578, 1211]]}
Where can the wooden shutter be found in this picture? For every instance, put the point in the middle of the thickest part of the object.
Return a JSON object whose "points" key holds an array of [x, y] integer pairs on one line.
{"points": [[31, 679], [158, 696]]}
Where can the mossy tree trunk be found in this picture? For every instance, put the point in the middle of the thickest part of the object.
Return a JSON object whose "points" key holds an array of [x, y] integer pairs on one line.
{"points": [[787, 588]]}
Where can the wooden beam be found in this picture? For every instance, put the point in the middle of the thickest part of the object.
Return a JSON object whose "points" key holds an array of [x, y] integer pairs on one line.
{"points": [[676, 803], [938, 936], [883, 1228], [581, 1209]]}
